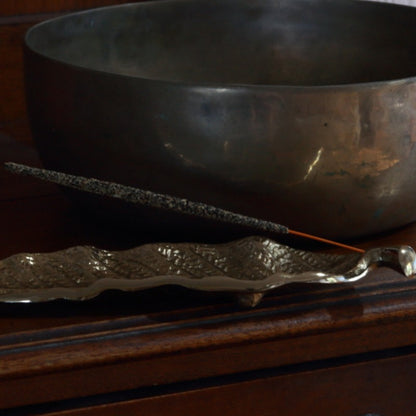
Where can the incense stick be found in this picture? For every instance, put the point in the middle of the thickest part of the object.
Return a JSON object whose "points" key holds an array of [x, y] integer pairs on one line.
{"points": [[157, 200]]}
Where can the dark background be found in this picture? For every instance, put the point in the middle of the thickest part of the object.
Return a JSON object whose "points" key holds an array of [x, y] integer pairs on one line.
{"points": [[16, 16]]}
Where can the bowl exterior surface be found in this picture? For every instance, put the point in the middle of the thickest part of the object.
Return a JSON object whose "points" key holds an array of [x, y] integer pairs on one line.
{"points": [[338, 161]]}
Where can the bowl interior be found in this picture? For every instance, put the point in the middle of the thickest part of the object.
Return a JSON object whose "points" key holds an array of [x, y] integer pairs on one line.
{"points": [[263, 42]]}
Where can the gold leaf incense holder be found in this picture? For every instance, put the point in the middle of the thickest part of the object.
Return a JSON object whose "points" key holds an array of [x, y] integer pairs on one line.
{"points": [[249, 268]]}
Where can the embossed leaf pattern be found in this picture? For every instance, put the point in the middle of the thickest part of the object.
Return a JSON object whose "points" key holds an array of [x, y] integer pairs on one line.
{"points": [[250, 265]]}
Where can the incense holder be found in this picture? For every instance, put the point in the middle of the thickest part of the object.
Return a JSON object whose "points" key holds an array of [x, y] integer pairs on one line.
{"points": [[248, 268]]}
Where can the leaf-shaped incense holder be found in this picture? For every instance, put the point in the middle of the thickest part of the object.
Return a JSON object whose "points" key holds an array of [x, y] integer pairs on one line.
{"points": [[249, 267]]}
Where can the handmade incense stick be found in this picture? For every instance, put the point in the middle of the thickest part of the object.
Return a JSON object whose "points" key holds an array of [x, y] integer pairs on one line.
{"points": [[156, 200]]}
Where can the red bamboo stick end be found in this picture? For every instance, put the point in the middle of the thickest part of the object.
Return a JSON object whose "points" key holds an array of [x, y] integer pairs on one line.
{"points": [[324, 240]]}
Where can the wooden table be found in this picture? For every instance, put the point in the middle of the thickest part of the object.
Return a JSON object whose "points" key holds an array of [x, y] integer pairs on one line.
{"points": [[346, 350]]}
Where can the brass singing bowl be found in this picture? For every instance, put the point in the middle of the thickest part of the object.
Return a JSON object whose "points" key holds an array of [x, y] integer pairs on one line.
{"points": [[302, 112]]}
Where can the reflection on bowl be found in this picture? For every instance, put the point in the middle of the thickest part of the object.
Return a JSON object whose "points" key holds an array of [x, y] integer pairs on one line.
{"points": [[296, 111]]}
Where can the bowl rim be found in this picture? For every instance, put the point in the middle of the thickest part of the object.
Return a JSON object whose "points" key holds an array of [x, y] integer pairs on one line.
{"points": [[201, 84]]}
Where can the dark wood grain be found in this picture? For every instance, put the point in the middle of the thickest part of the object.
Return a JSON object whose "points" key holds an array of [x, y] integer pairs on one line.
{"points": [[15, 18], [133, 356], [380, 387], [21, 7], [13, 119]]}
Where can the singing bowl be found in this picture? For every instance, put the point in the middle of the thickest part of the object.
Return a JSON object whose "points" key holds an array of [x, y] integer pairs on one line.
{"points": [[302, 112]]}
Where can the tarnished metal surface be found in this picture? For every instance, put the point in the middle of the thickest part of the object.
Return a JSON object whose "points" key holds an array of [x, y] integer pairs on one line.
{"points": [[248, 267], [302, 112]]}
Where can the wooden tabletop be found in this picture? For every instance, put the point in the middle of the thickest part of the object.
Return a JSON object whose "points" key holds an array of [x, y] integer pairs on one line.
{"points": [[179, 352]]}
